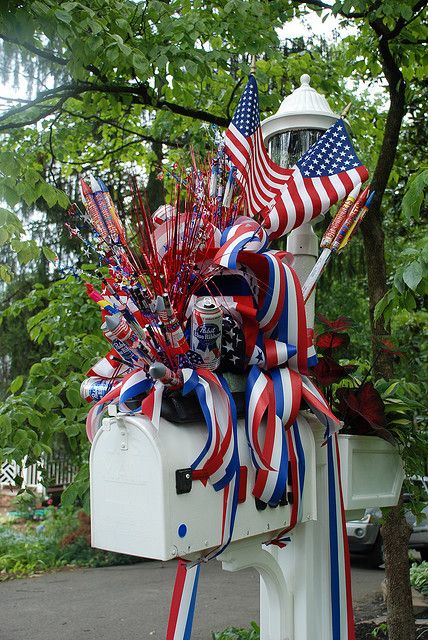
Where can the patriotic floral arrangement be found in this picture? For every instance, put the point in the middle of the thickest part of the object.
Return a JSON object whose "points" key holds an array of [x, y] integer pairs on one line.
{"points": [[194, 292]]}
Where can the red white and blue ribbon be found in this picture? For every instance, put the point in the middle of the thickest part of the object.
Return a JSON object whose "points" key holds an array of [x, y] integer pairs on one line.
{"points": [[152, 404], [342, 617], [295, 481], [218, 462], [132, 385], [244, 233], [183, 602], [320, 407]]}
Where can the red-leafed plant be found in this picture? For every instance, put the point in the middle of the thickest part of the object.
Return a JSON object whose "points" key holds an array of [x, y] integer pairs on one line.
{"points": [[360, 406]]}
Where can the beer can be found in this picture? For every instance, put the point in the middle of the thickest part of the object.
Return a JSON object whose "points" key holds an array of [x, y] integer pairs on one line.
{"points": [[206, 332], [93, 389]]}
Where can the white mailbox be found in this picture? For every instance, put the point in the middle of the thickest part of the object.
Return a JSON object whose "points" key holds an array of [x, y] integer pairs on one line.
{"points": [[135, 506]]}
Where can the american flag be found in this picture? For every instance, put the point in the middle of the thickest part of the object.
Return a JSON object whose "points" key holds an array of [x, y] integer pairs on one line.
{"points": [[286, 198], [260, 178]]}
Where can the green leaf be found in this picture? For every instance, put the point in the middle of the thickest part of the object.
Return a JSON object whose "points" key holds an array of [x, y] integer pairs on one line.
{"points": [[73, 397], [70, 494], [413, 198], [63, 200], [49, 254], [391, 389], [10, 220], [16, 384], [64, 16], [382, 305], [28, 252], [4, 236], [123, 24], [5, 273], [49, 194], [413, 274]]}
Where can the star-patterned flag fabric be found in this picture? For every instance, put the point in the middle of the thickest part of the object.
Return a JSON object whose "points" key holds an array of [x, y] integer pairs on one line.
{"points": [[325, 174], [260, 178], [232, 346]]}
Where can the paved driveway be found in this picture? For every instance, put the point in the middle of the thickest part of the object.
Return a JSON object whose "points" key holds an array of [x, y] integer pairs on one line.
{"points": [[132, 602]]}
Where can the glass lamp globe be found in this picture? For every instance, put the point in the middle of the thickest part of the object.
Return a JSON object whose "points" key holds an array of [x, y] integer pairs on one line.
{"points": [[301, 119]]}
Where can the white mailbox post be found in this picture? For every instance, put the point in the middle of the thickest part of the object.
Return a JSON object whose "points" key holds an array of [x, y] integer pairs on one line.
{"points": [[137, 508], [135, 503]]}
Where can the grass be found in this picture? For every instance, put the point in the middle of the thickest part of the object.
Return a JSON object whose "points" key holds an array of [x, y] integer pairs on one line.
{"points": [[233, 633]]}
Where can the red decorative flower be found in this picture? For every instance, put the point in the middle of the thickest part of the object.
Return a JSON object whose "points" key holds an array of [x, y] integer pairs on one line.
{"points": [[363, 410], [332, 340], [342, 322], [388, 345], [328, 371]]}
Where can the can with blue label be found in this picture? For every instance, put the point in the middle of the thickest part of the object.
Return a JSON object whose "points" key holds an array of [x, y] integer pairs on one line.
{"points": [[206, 332], [93, 389]]}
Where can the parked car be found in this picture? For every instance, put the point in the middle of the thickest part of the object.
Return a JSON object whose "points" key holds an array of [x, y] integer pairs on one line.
{"points": [[364, 535]]}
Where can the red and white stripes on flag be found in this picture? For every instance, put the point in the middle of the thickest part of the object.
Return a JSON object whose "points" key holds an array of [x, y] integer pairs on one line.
{"points": [[303, 199], [286, 198], [260, 178], [108, 367]]}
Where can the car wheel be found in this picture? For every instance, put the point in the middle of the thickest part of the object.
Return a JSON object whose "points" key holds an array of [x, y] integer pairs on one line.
{"points": [[424, 554], [375, 556]]}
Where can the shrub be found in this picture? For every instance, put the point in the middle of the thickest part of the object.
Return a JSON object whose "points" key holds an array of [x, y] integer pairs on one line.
{"points": [[419, 577], [62, 539]]}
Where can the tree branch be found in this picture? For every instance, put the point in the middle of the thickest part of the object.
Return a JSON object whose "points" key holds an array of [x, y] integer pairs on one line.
{"points": [[120, 127], [43, 96], [232, 95], [48, 111], [402, 23], [372, 230], [319, 4], [92, 161], [140, 95], [42, 53], [9, 99]]}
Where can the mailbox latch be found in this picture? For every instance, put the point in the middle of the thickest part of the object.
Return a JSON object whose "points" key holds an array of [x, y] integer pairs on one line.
{"points": [[183, 480]]}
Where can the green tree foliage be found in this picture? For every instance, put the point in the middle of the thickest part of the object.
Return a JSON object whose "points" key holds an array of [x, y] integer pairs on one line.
{"points": [[44, 408]]}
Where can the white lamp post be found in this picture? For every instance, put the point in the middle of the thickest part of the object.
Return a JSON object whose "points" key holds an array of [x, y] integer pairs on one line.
{"points": [[301, 119]]}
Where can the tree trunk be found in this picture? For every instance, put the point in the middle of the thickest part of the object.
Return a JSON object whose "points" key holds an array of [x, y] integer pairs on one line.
{"points": [[395, 531], [373, 235], [396, 534]]}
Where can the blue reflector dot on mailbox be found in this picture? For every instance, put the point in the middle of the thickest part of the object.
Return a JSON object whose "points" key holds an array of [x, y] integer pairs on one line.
{"points": [[182, 530]]}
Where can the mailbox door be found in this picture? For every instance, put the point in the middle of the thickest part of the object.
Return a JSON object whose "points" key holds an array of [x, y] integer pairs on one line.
{"points": [[127, 488]]}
